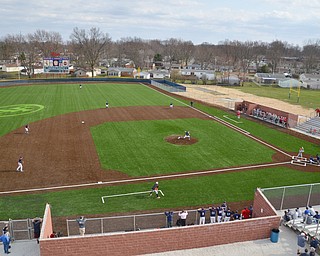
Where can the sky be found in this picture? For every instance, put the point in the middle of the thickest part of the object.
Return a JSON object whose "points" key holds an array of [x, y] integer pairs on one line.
{"points": [[294, 21]]}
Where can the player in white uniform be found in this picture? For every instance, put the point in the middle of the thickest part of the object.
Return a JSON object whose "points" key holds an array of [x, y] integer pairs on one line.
{"points": [[26, 129], [20, 166]]}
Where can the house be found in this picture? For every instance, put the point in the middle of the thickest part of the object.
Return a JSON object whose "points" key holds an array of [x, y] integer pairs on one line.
{"points": [[12, 67], [35, 70], [142, 75], [268, 78], [81, 72], [311, 81], [160, 74], [200, 74], [121, 72]]}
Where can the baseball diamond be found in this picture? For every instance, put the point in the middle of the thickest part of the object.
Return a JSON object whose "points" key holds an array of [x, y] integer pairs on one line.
{"points": [[74, 147]]}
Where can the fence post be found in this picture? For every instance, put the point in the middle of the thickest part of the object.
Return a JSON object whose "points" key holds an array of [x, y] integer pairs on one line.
{"points": [[310, 191], [283, 194], [134, 222], [68, 228], [101, 221]]}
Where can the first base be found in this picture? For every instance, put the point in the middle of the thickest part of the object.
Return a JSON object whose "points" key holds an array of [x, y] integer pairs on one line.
{"points": [[99, 182]]}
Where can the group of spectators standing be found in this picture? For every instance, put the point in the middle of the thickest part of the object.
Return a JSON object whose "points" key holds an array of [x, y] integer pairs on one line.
{"points": [[217, 214], [270, 117]]}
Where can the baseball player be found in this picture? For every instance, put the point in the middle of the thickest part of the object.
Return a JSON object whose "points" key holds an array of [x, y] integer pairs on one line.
{"points": [[80, 86], [187, 135], [171, 105], [20, 166], [155, 189], [26, 129], [107, 104], [301, 150]]}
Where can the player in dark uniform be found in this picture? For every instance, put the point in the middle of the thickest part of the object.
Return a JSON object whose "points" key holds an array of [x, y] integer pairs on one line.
{"points": [[155, 189], [213, 213]]}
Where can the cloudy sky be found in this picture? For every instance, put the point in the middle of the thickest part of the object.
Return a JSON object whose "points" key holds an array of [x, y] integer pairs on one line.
{"points": [[212, 21]]}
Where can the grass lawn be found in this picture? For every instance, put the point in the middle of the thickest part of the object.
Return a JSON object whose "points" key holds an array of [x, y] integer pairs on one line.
{"points": [[308, 98], [185, 192], [139, 148]]}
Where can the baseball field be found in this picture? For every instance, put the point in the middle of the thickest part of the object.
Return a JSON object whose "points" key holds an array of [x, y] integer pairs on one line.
{"points": [[77, 151]]}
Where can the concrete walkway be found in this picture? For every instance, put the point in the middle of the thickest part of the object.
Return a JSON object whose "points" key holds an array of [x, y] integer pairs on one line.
{"points": [[23, 248], [287, 245]]}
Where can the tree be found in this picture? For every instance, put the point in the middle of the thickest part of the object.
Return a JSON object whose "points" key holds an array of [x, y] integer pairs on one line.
{"points": [[311, 54], [90, 45]]}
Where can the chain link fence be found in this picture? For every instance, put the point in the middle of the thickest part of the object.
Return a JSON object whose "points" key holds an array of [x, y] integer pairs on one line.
{"points": [[293, 196], [128, 223]]}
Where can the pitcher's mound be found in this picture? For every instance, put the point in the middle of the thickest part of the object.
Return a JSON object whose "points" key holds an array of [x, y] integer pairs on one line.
{"points": [[173, 139]]}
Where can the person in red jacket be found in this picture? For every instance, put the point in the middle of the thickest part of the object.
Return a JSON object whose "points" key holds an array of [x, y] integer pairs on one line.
{"points": [[245, 213]]}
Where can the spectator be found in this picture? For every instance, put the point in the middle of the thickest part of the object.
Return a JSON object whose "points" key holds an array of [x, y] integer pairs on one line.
{"points": [[299, 212], [251, 210], [314, 243], [6, 239], [169, 215], [37, 227], [81, 222], [302, 238], [202, 213], [305, 253], [213, 213], [245, 213], [316, 216], [183, 217], [5, 229], [285, 217], [312, 211]]}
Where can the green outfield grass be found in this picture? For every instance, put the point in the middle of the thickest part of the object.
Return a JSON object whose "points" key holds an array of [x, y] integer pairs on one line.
{"points": [[144, 152], [179, 193], [139, 148], [60, 99]]}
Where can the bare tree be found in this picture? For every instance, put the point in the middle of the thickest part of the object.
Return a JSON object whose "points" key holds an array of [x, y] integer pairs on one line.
{"points": [[90, 44], [311, 54], [275, 51], [47, 42]]}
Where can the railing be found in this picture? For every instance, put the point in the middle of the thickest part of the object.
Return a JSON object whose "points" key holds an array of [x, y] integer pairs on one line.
{"points": [[19, 229], [129, 223]]}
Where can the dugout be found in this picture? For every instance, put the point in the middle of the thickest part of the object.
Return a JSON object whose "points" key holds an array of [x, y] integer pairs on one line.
{"points": [[246, 107]]}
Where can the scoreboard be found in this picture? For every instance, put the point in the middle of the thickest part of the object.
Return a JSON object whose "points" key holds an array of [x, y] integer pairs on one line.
{"points": [[56, 65]]}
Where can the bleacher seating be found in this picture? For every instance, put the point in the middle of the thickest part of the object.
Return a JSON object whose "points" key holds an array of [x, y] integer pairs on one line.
{"points": [[310, 127], [299, 225]]}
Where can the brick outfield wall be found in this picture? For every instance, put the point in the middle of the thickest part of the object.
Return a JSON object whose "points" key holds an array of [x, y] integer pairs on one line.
{"points": [[167, 239]]}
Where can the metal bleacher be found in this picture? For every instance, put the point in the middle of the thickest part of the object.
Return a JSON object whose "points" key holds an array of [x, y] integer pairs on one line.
{"points": [[310, 127], [300, 225]]}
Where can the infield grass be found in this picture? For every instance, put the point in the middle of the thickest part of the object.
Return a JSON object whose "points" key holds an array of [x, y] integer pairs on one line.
{"points": [[139, 148]]}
